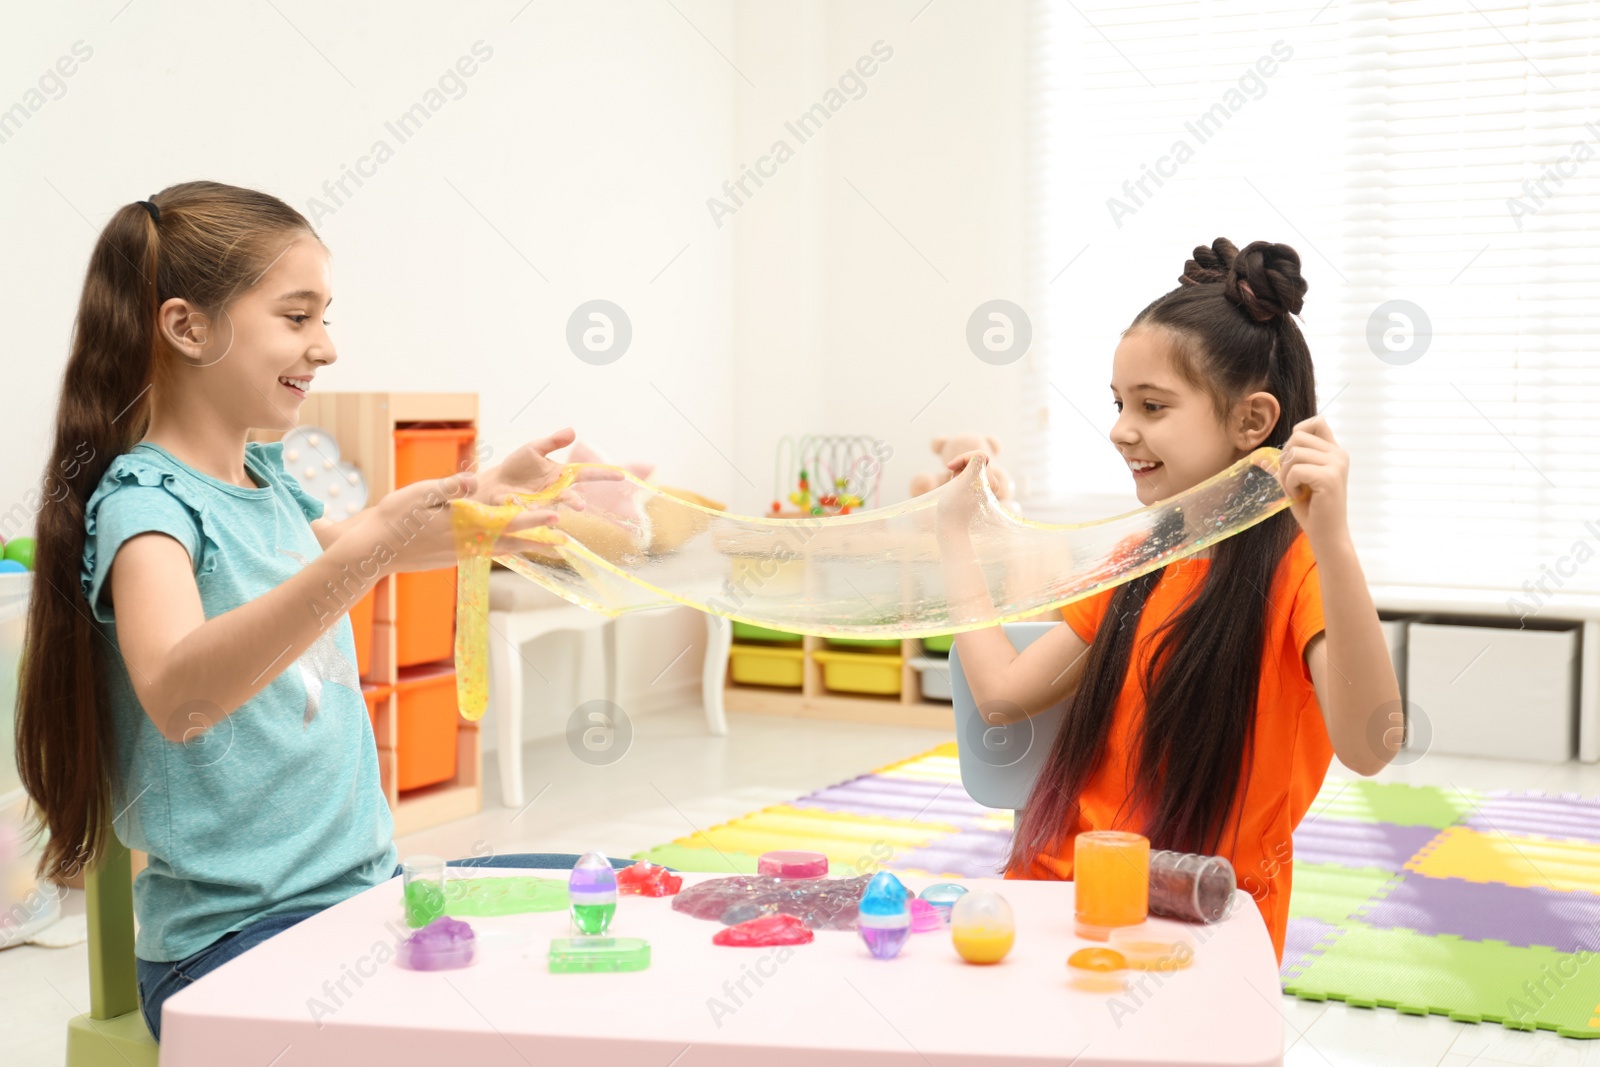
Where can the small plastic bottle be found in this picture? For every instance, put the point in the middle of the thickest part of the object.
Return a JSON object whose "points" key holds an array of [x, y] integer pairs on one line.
{"points": [[592, 887], [884, 917]]}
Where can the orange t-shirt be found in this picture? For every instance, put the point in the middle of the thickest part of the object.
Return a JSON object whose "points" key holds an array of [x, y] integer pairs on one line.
{"points": [[1291, 750]]}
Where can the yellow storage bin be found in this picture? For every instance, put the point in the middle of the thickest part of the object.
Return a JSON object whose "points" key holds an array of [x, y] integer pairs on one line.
{"points": [[767, 665], [859, 672]]}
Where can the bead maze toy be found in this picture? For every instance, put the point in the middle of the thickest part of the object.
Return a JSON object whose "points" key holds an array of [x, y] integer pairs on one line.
{"points": [[837, 473]]}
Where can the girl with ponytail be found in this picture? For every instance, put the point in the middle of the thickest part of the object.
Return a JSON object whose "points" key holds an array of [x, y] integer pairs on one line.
{"points": [[188, 679], [1206, 700]]}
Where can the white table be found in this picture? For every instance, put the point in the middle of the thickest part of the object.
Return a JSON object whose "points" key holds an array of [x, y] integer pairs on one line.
{"points": [[826, 1002]]}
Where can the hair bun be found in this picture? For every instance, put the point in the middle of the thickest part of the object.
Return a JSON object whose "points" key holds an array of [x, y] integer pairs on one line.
{"points": [[1263, 278]]}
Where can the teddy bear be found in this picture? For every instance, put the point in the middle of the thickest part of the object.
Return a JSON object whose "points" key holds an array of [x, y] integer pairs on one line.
{"points": [[948, 447]]}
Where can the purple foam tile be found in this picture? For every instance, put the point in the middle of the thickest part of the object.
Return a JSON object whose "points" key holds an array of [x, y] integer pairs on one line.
{"points": [[971, 854], [1359, 844], [1559, 817], [920, 801], [1303, 941], [1522, 916], [922, 812]]}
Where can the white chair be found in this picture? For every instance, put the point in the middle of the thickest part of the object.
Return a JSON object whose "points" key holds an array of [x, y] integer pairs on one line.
{"points": [[521, 611]]}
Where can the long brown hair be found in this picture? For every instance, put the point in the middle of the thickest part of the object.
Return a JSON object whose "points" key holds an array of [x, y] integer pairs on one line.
{"points": [[212, 243], [1231, 333]]}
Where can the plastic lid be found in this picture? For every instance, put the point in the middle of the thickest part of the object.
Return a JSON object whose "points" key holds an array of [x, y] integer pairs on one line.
{"points": [[592, 875], [884, 896], [943, 895], [792, 864], [1152, 946]]}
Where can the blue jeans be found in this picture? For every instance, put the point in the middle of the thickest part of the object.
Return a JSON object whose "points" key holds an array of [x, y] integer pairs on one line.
{"points": [[158, 981]]}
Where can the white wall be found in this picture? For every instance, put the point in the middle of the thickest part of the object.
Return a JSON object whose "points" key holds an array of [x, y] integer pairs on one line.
{"points": [[583, 150]]}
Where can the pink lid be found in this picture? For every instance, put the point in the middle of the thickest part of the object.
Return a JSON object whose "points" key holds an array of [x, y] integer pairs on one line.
{"points": [[794, 864], [925, 916]]}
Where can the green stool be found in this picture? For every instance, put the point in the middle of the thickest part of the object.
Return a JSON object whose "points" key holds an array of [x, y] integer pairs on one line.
{"points": [[113, 1034]]}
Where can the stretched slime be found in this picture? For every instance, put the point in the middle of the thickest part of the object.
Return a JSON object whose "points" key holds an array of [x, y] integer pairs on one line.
{"points": [[947, 561]]}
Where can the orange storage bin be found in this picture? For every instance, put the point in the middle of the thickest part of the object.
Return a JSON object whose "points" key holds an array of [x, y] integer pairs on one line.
{"points": [[375, 695], [426, 723], [431, 452], [361, 624], [425, 602], [425, 616]]}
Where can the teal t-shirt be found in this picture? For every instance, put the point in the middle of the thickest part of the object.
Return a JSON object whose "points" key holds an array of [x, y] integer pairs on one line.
{"points": [[277, 807]]}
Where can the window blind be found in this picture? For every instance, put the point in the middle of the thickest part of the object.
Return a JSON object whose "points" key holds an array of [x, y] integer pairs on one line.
{"points": [[1436, 166]]}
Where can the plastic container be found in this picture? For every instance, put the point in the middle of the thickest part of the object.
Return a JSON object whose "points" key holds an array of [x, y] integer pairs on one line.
{"points": [[982, 927], [422, 452], [925, 917], [935, 674], [361, 627], [1193, 888], [943, 896], [443, 945], [1111, 876], [767, 665], [1154, 946], [426, 722], [375, 696], [938, 646], [425, 616], [575, 955], [863, 644], [860, 672], [422, 885], [749, 631]]}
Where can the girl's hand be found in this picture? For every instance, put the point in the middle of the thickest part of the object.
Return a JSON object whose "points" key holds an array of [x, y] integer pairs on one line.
{"points": [[410, 529], [531, 470], [956, 508], [1315, 474]]}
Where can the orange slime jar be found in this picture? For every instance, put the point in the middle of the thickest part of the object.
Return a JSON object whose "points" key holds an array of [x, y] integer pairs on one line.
{"points": [[1111, 870]]}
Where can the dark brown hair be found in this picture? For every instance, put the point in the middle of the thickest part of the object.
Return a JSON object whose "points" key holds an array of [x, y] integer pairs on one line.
{"points": [[1231, 335], [212, 243]]}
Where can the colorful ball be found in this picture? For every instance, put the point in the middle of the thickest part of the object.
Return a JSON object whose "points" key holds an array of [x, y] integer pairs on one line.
{"points": [[20, 549]]}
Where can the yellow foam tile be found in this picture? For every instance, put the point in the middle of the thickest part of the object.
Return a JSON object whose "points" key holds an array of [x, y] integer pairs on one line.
{"points": [[788, 821], [1514, 859]]}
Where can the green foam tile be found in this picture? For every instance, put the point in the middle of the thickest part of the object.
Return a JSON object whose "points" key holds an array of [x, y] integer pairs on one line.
{"points": [[699, 860], [1332, 893], [1469, 981], [1393, 802]]}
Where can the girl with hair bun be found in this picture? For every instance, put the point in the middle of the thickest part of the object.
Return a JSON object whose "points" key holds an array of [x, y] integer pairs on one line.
{"points": [[1207, 699]]}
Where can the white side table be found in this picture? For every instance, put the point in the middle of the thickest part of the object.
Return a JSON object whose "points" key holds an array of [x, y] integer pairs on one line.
{"points": [[521, 611]]}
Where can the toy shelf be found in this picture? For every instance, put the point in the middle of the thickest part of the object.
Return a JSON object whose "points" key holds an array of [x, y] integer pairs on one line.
{"points": [[911, 703], [814, 700], [365, 425]]}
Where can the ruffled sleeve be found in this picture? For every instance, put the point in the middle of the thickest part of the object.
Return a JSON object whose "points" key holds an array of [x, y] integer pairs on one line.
{"points": [[270, 454], [137, 495]]}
